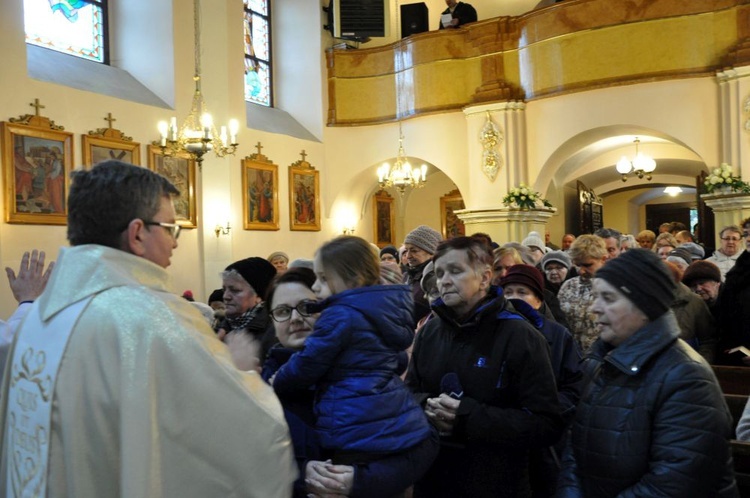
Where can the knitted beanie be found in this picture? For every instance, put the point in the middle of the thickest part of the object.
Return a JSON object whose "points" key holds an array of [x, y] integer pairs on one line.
{"points": [[277, 254], [425, 238], [534, 240], [701, 270], [389, 250], [560, 257], [216, 295], [696, 251], [643, 278], [681, 253], [390, 273], [257, 272], [525, 275]]}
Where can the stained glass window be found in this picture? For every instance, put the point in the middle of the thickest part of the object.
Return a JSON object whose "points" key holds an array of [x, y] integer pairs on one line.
{"points": [[75, 27], [258, 77]]}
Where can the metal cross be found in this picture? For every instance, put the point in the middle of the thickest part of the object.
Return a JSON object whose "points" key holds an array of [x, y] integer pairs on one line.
{"points": [[36, 105]]}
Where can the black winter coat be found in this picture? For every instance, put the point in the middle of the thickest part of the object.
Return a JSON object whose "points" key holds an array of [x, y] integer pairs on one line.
{"points": [[651, 422], [509, 405], [733, 310]]}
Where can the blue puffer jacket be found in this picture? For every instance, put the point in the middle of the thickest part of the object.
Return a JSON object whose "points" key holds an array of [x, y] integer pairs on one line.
{"points": [[352, 357]]}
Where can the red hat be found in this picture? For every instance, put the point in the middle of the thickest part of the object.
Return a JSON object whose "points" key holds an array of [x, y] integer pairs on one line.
{"points": [[525, 275]]}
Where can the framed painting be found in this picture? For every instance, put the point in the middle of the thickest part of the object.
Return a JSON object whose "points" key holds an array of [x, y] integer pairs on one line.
{"points": [[37, 161], [304, 197], [260, 194], [180, 170], [104, 145], [384, 218], [450, 225]]}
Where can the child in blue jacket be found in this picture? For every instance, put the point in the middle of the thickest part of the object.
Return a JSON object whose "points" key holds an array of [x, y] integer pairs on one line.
{"points": [[364, 412]]}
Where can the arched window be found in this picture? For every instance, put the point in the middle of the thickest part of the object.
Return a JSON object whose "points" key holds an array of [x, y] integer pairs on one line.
{"points": [[74, 27], [258, 77]]}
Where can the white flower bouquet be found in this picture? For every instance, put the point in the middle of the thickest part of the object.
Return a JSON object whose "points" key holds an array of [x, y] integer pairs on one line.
{"points": [[525, 198], [723, 178]]}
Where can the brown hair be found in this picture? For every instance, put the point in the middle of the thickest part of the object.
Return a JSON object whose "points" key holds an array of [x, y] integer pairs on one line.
{"points": [[352, 259], [477, 252]]}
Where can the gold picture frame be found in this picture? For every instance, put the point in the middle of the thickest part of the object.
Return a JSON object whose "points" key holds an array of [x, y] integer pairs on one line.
{"points": [[260, 193], [384, 219], [450, 225], [37, 162], [109, 143], [304, 196], [180, 170]]}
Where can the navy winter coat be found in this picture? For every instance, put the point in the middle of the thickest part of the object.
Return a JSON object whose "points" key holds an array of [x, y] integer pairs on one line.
{"points": [[652, 422], [352, 357]]}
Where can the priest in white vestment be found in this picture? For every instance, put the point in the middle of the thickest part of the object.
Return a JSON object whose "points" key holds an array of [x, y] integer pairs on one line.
{"points": [[145, 401]]}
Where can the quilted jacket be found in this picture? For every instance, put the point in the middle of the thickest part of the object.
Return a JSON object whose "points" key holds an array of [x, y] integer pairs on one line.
{"points": [[352, 358], [651, 422]]}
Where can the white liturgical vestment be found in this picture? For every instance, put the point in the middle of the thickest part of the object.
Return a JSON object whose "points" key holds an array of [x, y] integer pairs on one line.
{"points": [[147, 402]]}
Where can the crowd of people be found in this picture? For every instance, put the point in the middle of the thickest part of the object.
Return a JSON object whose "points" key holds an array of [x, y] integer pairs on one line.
{"points": [[443, 368]]}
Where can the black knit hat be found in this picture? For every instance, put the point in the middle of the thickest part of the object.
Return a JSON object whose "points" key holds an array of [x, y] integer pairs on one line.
{"points": [[257, 272], [217, 295], [701, 270], [643, 278], [390, 250]]}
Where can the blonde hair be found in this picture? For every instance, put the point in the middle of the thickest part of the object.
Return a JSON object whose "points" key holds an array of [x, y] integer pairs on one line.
{"points": [[588, 246], [665, 236]]}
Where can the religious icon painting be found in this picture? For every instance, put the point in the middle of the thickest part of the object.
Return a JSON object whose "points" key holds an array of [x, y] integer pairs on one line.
{"points": [[384, 219], [260, 193], [304, 196], [105, 144], [450, 223], [180, 170], [37, 161]]}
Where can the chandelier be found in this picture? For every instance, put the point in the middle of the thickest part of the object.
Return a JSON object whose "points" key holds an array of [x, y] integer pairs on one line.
{"points": [[197, 135], [401, 175], [641, 165]]}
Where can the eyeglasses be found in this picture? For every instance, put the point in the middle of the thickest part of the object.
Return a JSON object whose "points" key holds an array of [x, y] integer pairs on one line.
{"points": [[173, 228], [283, 312], [731, 239]]}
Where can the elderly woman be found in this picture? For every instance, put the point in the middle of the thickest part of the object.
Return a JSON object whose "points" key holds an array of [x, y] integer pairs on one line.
{"points": [[279, 260], [555, 265], [244, 283], [485, 380], [652, 420], [589, 254]]}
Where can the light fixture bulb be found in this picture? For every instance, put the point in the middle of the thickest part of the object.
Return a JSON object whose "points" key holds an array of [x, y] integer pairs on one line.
{"points": [[623, 166]]}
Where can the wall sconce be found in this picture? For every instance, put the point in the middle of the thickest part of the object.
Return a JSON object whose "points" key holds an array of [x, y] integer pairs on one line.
{"points": [[220, 230]]}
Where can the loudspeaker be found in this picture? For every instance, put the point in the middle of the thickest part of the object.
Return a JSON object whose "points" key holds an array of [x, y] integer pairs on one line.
{"points": [[414, 19]]}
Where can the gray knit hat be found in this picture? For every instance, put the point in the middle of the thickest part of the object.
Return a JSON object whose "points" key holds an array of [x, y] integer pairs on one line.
{"points": [[425, 238], [534, 240], [558, 257], [696, 251]]}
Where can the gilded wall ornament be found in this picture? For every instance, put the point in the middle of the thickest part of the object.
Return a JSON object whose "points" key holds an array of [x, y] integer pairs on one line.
{"points": [[490, 137]]}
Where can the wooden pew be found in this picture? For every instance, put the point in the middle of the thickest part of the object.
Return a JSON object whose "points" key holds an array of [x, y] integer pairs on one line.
{"points": [[733, 380]]}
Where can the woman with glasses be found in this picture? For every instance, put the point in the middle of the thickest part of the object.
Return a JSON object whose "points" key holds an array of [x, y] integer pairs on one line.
{"points": [[733, 303], [555, 266]]}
